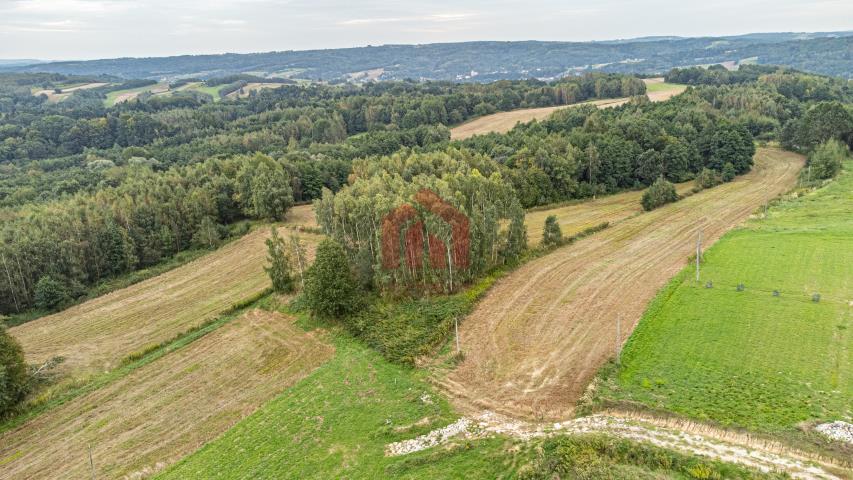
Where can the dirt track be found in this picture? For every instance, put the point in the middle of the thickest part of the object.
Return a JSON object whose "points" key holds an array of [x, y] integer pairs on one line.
{"points": [[538, 337], [169, 408], [503, 122], [97, 334]]}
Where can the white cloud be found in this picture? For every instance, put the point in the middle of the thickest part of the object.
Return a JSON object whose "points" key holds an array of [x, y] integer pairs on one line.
{"points": [[441, 17], [66, 7]]}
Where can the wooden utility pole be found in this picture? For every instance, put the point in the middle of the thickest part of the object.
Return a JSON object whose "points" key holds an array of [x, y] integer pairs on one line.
{"points": [[698, 253]]}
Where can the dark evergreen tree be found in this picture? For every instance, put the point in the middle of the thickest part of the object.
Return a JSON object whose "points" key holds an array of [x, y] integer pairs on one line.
{"points": [[331, 289]]}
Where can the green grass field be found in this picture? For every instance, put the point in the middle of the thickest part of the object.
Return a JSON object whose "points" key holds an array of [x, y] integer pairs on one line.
{"points": [[749, 358], [336, 423], [663, 87], [212, 91], [113, 96]]}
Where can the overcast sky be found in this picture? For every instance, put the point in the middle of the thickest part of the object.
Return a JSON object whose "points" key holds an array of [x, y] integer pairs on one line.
{"points": [[85, 29]]}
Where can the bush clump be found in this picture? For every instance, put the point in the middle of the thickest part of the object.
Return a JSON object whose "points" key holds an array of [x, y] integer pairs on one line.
{"points": [[552, 234], [14, 378], [331, 289], [50, 293], [707, 178], [660, 193], [826, 160]]}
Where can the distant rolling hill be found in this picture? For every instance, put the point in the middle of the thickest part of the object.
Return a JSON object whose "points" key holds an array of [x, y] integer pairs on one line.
{"points": [[826, 52]]}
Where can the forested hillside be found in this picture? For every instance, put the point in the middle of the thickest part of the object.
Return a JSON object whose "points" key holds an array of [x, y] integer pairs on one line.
{"points": [[826, 53], [90, 192]]}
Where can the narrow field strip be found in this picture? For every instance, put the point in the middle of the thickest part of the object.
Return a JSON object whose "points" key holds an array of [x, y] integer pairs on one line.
{"points": [[169, 408], [503, 122], [538, 337], [96, 335]]}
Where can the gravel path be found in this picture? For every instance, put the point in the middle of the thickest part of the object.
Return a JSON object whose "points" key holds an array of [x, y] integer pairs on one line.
{"points": [[489, 423]]}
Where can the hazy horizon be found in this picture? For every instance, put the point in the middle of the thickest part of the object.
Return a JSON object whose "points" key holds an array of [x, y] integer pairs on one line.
{"points": [[90, 29]]}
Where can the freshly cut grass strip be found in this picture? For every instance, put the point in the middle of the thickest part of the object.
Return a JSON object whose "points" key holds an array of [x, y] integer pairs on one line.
{"points": [[96, 335], [169, 408]]}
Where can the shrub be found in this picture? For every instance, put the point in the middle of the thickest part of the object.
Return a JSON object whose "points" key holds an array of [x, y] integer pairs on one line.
{"points": [[331, 289], [50, 293], [826, 160], [14, 380], [660, 193], [707, 178], [552, 234], [728, 172]]}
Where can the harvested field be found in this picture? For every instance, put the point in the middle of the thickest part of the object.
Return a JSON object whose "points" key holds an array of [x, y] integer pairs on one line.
{"points": [[504, 121], [52, 96], [169, 408], [253, 87], [576, 217], [98, 334], [538, 337]]}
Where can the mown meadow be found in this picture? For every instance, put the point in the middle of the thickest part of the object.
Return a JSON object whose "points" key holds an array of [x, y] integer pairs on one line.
{"points": [[763, 340]]}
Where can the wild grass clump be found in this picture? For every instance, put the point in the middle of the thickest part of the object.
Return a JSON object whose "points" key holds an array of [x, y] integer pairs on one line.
{"points": [[601, 456]]}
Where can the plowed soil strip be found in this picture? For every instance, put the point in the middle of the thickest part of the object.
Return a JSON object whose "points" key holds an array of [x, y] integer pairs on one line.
{"points": [[538, 337], [168, 408], [96, 335]]}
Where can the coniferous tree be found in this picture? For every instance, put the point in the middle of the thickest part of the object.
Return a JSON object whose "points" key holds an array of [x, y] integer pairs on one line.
{"points": [[331, 289]]}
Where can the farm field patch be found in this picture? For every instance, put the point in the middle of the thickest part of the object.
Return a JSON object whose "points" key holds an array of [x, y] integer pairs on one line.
{"points": [[96, 335], [749, 358], [66, 91], [166, 409], [336, 423], [503, 122], [537, 338], [252, 87], [576, 217]]}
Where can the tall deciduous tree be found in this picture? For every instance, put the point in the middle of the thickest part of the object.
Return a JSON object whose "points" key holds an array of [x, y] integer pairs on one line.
{"points": [[279, 266]]}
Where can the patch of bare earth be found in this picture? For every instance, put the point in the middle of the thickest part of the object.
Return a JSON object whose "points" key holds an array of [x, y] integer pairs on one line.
{"points": [[538, 337], [169, 408], [96, 335], [504, 121]]}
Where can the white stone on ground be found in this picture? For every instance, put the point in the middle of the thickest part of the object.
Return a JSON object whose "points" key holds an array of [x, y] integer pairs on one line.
{"points": [[839, 430]]}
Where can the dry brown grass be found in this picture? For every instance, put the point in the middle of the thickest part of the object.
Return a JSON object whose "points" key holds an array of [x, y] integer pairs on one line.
{"points": [[576, 217], [98, 334], [52, 96], [540, 334], [503, 122], [169, 408]]}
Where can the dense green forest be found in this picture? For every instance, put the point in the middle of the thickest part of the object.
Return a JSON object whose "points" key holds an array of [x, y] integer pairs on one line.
{"points": [[89, 192], [826, 53], [94, 192]]}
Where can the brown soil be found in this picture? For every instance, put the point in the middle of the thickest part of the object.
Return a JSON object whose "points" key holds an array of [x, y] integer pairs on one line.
{"points": [[169, 408], [538, 337]]}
